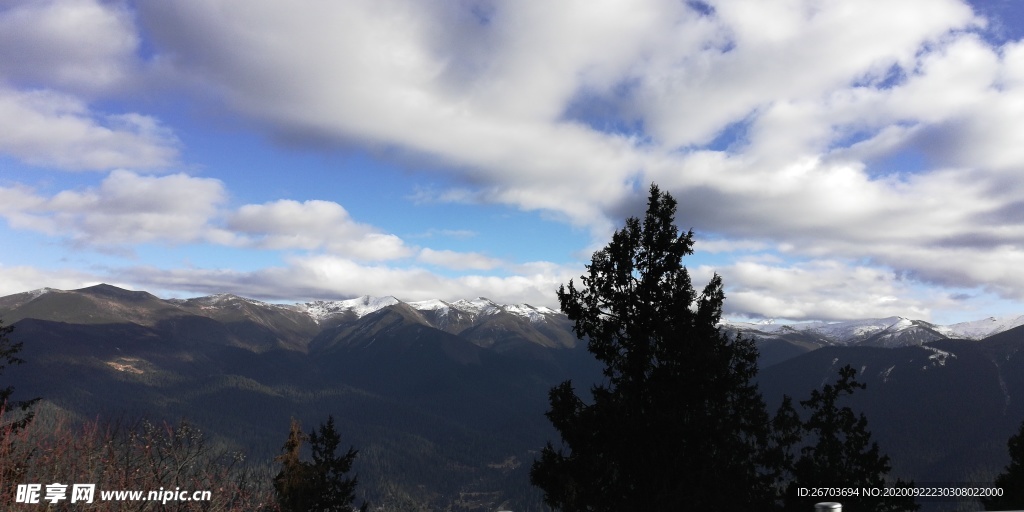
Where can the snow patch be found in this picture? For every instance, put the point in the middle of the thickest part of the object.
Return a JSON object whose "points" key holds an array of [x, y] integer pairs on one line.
{"points": [[35, 294], [886, 373], [983, 328], [938, 357], [478, 306], [891, 331], [222, 300], [359, 306], [430, 305], [533, 314]]}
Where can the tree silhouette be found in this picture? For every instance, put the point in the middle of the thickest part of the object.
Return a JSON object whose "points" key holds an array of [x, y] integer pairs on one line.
{"points": [[332, 490], [1011, 480], [842, 454], [678, 424], [321, 485], [8, 356], [290, 483]]}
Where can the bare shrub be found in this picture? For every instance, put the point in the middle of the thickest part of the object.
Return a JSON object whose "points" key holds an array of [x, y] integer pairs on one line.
{"points": [[141, 456]]}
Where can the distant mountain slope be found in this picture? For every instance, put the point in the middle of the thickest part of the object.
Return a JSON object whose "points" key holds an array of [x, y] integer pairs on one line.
{"points": [[943, 410], [440, 402], [486, 323], [879, 332], [94, 305], [444, 399]]}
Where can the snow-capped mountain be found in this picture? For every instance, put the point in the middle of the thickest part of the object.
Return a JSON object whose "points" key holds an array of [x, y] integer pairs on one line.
{"points": [[325, 311], [422, 380], [480, 320], [321, 310], [983, 328], [895, 331]]}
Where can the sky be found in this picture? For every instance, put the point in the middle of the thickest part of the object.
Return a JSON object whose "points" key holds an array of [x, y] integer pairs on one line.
{"points": [[835, 160]]}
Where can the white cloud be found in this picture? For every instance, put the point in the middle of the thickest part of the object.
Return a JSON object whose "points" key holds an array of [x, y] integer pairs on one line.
{"points": [[125, 209], [331, 277], [457, 260], [83, 45], [391, 74], [57, 53], [571, 109], [21, 278], [128, 209], [489, 98], [312, 225], [818, 290], [447, 233], [51, 129]]}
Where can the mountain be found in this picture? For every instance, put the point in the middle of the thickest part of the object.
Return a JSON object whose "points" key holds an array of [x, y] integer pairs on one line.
{"points": [[881, 332], [942, 411], [446, 400], [779, 342], [481, 320]]}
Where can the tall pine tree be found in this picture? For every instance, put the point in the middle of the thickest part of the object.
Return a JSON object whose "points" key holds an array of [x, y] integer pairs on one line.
{"points": [[8, 357], [838, 452], [678, 423], [290, 483], [321, 485], [330, 487]]}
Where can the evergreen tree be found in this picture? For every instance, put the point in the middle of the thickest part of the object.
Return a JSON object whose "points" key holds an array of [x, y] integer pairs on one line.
{"points": [[1012, 478], [8, 356], [841, 453], [678, 423], [290, 483], [321, 485], [331, 489]]}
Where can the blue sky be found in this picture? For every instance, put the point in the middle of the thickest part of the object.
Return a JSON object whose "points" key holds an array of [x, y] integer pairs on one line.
{"points": [[837, 160]]}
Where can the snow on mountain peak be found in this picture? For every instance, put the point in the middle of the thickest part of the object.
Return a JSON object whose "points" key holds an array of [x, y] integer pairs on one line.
{"points": [[531, 313], [429, 305], [43, 291], [895, 329], [978, 329], [359, 306], [222, 298], [478, 306], [483, 306]]}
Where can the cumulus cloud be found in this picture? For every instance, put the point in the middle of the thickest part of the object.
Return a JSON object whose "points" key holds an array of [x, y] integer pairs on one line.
{"points": [[51, 129], [21, 278], [125, 209], [882, 133], [390, 74], [493, 97], [58, 55], [82, 45], [818, 290], [312, 225]]}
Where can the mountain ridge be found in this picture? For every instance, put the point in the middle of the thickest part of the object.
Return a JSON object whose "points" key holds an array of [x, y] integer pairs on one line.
{"points": [[436, 393], [469, 315], [433, 401]]}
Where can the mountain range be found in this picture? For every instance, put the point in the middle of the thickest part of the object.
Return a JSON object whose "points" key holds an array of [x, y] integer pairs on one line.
{"points": [[446, 400], [778, 342]]}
